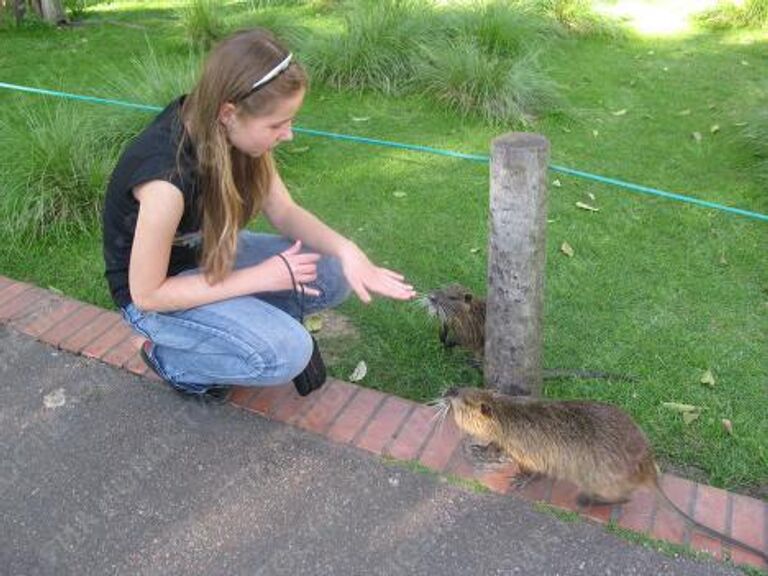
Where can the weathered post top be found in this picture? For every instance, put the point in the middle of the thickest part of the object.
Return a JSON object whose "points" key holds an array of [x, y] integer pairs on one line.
{"points": [[516, 261]]}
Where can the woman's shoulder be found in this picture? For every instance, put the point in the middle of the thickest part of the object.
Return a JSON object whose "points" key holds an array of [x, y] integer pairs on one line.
{"points": [[165, 128]]}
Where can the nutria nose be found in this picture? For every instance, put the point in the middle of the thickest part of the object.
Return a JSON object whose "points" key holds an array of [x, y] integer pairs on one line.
{"points": [[452, 392]]}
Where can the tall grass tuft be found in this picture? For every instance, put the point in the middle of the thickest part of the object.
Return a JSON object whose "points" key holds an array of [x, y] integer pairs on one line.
{"points": [[376, 49], [476, 57], [471, 81], [501, 29], [60, 170], [280, 23], [202, 22], [728, 14], [576, 16], [149, 79]]}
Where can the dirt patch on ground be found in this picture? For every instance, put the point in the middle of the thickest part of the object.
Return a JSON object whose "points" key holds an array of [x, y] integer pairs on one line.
{"points": [[334, 333]]}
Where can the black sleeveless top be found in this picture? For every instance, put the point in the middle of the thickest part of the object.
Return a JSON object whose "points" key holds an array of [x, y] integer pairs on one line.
{"points": [[152, 155]]}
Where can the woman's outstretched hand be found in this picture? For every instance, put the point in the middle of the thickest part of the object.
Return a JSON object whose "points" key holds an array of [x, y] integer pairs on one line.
{"points": [[364, 277]]}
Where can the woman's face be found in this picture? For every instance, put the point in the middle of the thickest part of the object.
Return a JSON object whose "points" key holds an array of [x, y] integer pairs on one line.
{"points": [[255, 135]]}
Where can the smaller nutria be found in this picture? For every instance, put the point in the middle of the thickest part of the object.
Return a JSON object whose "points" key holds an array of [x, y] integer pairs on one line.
{"points": [[596, 446], [462, 323]]}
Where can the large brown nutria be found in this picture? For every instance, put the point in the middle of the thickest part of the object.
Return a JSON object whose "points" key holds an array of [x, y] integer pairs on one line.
{"points": [[598, 447], [462, 323]]}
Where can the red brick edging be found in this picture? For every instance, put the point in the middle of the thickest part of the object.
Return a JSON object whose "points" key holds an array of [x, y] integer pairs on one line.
{"points": [[390, 426]]}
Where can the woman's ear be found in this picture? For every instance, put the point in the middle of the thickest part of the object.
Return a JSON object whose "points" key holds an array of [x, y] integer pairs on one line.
{"points": [[227, 113]]}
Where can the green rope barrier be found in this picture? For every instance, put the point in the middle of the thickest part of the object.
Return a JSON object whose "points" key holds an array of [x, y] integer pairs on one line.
{"points": [[424, 149]]}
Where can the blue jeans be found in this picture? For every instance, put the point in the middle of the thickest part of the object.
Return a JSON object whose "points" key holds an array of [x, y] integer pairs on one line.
{"points": [[253, 340]]}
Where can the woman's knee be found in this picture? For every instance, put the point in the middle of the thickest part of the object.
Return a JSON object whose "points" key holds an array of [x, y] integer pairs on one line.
{"points": [[287, 355]]}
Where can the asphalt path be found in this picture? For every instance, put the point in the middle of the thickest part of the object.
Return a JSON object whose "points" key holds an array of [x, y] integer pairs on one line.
{"points": [[103, 472]]}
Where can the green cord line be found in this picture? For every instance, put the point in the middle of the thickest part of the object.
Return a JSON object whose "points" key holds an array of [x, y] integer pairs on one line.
{"points": [[426, 149]]}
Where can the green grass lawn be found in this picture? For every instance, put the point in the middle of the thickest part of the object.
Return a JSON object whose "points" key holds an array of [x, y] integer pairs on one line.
{"points": [[657, 289]]}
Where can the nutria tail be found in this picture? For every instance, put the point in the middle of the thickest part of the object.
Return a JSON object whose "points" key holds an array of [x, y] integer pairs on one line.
{"points": [[556, 374], [706, 529]]}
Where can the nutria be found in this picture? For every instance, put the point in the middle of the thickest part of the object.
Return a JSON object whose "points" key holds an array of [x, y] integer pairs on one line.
{"points": [[598, 447], [462, 323]]}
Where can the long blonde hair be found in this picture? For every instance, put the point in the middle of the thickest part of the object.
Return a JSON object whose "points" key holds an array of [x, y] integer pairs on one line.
{"points": [[233, 184]]}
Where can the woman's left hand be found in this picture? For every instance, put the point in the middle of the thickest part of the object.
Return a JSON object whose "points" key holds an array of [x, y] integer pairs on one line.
{"points": [[364, 277]]}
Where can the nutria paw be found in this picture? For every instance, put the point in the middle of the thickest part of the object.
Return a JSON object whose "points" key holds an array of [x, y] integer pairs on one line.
{"points": [[486, 453], [522, 479], [585, 501]]}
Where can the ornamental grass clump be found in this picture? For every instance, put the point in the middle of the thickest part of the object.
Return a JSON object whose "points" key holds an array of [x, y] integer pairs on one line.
{"points": [[374, 51], [202, 22], [471, 81], [148, 79], [727, 14], [501, 29], [60, 168]]}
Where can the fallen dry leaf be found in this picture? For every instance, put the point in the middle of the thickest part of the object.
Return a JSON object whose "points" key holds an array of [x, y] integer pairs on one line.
{"points": [[55, 399], [359, 372], [621, 112], [399, 194], [567, 249], [689, 412], [556, 183], [360, 118], [708, 378], [689, 417], [686, 112], [587, 207], [298, 150], [677, 407], [595, 133], [714, 129], [591, 196], [696, 136], [313, 323], [727, 425]]}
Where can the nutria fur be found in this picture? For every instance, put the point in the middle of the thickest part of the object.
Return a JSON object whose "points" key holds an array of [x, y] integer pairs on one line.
{"points": [[462, 323], [462, 317], [598, 447]]}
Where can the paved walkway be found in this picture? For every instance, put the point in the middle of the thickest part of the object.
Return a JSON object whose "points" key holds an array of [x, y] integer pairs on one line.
{"points": [[180, 481]]}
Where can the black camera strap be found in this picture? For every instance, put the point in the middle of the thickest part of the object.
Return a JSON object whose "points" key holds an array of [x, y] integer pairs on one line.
{"points": [[314, 375], [299, 299]]}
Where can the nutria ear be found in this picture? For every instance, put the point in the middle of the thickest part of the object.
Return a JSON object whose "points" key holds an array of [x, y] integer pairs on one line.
{"points": [[485, 410], [467, 297]]}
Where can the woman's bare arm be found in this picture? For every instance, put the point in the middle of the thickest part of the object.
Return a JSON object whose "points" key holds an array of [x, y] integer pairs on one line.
{"points": [[160, 211]]}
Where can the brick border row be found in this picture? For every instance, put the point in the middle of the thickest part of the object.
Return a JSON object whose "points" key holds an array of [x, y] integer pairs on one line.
{"points": [[389, 426]]}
